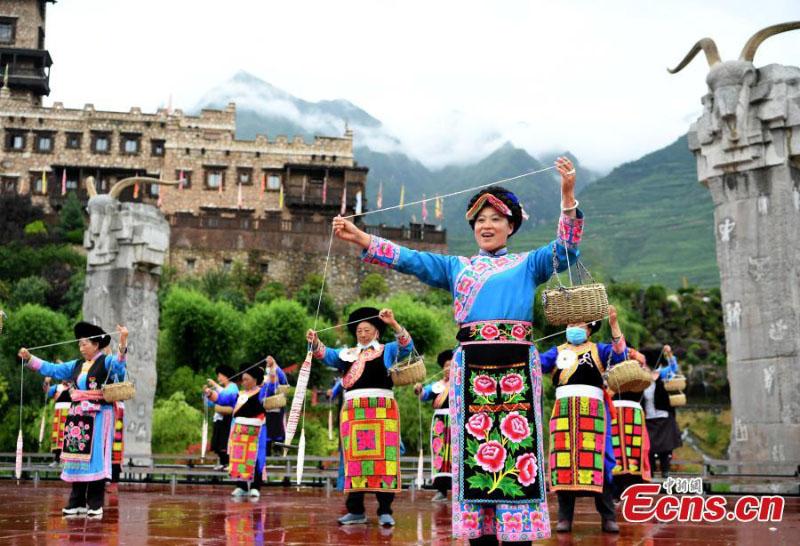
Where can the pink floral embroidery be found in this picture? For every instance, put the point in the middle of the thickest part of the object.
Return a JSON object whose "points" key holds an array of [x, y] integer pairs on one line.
{"points": [[515, 427], [527, 469], [382, 252], [569, 231], [438, 428], [485, 385], [474, 275], [512, 522], [511, 384], [478, 424], [489, 331], [491, 456], [519, 331], [469, 520]]}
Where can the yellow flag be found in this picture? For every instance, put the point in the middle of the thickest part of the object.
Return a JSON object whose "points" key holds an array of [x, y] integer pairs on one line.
{"points": [[44, 183], [402, 196], [280, 197], [438, 210]]}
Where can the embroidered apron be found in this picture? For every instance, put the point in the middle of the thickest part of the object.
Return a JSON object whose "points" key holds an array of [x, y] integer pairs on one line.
{"points": [[630, 440]]}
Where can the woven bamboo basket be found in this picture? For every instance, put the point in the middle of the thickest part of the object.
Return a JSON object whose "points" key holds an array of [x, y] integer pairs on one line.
{"points": [[284, 389], [276, 401], [409, 372], [677, 399], [223, 410], [677, 383], [628, 376], [572, 304], [119, 392]]}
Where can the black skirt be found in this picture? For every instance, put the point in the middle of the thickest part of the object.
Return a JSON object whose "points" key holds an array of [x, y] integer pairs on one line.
{"points": [[664, 434], [220, 433]]}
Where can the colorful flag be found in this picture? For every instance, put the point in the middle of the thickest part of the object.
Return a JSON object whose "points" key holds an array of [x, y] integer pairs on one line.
{"points": [[160, 202], [44, 183], [402, 196], [136, 191], [221, 178], [424, 210], [303, 194], [180, 181], [204, 437], [280, 197], [63, 181], [169, 104], [379, 200], [263, 186], [438, 209], [344, 199], [358, 203], [297, 401], [239, 198], [325, 190]]}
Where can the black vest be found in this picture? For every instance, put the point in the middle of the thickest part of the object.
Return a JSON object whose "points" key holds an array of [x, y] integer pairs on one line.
{"points": [[97, 370], [63, 397], [251, 408], [587, 373], [374, 376]]}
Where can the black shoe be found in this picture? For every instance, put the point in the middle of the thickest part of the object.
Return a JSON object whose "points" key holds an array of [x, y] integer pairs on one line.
{"points": [[610, 526], [564, 526]]}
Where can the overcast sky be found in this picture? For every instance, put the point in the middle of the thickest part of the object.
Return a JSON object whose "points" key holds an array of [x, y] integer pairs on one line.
{"points": [[445, 77]]}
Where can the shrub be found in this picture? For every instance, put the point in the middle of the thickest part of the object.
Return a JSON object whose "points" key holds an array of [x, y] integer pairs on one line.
{"points": [[373, 286], [176, 425], [272, 291], [308, 296], [31, 290], [36, 229]]}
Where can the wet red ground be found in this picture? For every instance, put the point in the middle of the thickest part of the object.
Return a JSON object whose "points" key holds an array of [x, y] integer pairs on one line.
{"points": [[207, 515]]}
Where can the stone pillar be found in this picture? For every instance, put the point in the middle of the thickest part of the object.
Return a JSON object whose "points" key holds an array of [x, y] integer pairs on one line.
{"points": [[751, 164], [127, 244]]}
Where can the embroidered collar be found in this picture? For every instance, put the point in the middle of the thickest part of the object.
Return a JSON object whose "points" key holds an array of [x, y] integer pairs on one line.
{"points": [[374, 344], [501, 252]]}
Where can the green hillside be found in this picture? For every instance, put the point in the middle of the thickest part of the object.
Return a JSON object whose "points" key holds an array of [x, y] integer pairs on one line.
{"points": [[648, 221]]}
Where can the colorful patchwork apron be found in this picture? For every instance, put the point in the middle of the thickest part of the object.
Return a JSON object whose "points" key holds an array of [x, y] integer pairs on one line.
{"points": [[243, 447], [118, 447], [440, 444], [630, 440], [577, 439], [370, 432], [61, 410]]}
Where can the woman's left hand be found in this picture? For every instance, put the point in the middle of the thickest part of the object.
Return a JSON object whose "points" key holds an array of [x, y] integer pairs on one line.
{"points": [[568, 178], [387, 316]]}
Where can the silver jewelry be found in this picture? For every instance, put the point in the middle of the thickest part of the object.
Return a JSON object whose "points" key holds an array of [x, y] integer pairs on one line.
{"points": [[573, 207], [569, 173]]}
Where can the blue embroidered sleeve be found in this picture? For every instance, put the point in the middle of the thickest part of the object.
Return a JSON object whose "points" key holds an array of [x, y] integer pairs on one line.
{"points": [[540, 261], [548, 359], [51, 369], [282, 377], [427, 392], [337, 389], [609, 356], [51, 392], [116, 366], [436, 270], [670, 370], [227, 398]]}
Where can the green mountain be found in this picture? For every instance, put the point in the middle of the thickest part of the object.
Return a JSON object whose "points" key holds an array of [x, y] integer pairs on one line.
{"points": [[648, 221]]}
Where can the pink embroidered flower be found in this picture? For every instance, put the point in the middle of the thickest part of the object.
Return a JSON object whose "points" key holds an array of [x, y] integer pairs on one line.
{"points": [[75, 431], [527, 469], [81, 446], [478, 425], [512, 522], [437, 462], [85, 436], [436, 445], [511, 384], [469, 520], [438, 428], [491, 456], [485, 385], [515, 427], [518, 331], [489, 331]]}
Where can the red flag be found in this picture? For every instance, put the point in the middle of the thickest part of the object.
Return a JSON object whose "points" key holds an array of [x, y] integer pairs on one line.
{"points": [[221, 176], [379, 201], [324, 190], [136, 191], [64, 182], [344, 199], [180, 181], [240, 195], [424, 212], [263, 186]]}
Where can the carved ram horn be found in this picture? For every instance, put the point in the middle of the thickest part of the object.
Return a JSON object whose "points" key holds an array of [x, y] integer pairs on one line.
{"points": [[709, 48], [117, 188], [749, 49], [90, 187]]}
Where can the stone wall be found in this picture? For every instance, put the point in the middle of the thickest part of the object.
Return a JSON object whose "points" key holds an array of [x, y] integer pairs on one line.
{"points": [[28, 22]]}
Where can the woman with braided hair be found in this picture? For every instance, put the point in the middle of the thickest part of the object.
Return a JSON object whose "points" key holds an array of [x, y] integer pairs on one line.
{"points": [[495, 382]]}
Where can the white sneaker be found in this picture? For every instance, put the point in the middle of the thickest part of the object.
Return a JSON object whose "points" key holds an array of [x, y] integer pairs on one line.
{"points": [[74, 511], [239, 492], [255, 494], [97, 513]]}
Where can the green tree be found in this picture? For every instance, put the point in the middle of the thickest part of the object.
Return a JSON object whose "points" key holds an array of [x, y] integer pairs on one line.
{"points": [[308, 296], [176, 425], [29, 290], [272, 291], [71, 220], [72, 302], [36, 229], [373, 286], [199, 332]]}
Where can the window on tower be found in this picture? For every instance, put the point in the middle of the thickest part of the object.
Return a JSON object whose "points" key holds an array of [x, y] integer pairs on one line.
{"points": [[7, 30]]}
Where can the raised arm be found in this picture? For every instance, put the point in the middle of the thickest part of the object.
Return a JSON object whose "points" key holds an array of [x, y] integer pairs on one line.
{"points": [[61, 370], [328, 356], [396, 350], [436, 270]]}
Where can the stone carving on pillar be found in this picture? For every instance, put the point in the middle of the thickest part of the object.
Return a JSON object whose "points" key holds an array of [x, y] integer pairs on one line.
{"points": [[126, 245], [748, 155]]}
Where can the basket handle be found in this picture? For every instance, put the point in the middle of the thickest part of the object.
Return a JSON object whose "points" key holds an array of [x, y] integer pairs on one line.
{"points": [[580, 268]]}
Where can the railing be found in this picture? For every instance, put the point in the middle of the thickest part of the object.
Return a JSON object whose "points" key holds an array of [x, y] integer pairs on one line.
{"points": [[427, 233]]}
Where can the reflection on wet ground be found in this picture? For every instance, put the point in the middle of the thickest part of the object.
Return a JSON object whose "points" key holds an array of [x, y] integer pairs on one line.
{"points": [[150, 514]]}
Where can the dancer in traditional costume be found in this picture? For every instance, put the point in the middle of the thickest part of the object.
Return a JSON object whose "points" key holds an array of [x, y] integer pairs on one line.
{"points": [[629, 436], [662, 427], [437, 392], [581, 452], [61, 404], [223, 415], [89, 429], [498, 481], [276, 429], [247, 444], [369, 424]]}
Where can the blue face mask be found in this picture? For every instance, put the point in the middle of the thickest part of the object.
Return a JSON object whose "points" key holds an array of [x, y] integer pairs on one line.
{"points": [[575, 335]]}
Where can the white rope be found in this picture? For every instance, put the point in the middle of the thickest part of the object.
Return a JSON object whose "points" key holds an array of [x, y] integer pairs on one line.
{"points": [[71, 341], [453, 193]]}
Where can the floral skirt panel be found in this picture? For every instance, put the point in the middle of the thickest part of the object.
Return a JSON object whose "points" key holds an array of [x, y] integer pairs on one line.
{"points": [[630, 440], [441, 455], [86, 453], [495, 408]]}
